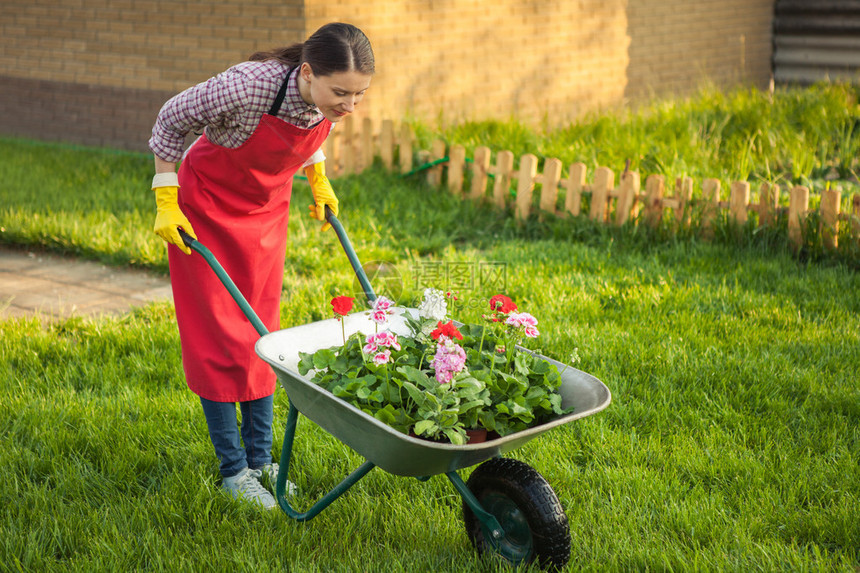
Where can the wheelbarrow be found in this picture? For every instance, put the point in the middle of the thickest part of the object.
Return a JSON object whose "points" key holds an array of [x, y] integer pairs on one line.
{"points": [[509, 509]]}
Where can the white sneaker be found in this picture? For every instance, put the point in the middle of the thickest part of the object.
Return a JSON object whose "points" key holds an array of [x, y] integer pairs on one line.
{"points": [[246, 486], [269, 478]]}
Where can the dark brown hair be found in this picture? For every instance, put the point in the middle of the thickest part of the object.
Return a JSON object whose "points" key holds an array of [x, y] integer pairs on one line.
{"points": [[335, 47]]}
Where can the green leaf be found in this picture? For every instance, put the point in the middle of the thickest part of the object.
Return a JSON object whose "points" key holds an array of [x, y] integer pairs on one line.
{"points": [[426, 428], [541, 367], [416, 376], [323, 358], [340, 364], [522, 363], [466, 406], [362, 393], [456, 436], [420, 398], [306, 363], [386, 415]]}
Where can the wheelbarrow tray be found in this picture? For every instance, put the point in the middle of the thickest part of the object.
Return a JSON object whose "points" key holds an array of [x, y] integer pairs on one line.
{"points": [[378, 442]]}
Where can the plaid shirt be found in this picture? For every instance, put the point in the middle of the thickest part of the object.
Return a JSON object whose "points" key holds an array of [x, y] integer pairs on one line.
{"points": [[228, 107]]}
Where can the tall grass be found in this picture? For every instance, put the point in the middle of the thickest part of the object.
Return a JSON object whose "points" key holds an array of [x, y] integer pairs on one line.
{"points": [[793, 136], [731, 444]]}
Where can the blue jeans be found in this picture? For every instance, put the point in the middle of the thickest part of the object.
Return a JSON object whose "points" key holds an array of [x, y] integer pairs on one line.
{"points": [[256, 433]]}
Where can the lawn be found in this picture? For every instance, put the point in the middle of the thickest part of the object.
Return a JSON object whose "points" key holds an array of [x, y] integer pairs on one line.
{"points": [[732, 442]]}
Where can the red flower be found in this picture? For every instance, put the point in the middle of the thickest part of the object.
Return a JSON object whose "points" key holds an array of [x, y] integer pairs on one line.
{"points": [[341, 305], [502, 304], [447, 329]]}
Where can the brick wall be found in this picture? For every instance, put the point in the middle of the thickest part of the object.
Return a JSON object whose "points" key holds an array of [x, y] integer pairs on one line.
{"points": [[97, 71], [677, 45]]}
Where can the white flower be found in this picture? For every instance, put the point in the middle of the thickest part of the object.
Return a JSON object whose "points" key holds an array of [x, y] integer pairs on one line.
{"points": [[434, 305]]}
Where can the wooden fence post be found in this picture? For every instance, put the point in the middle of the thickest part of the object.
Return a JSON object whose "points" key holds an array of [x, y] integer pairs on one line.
{"points": [[767, 204], [525, 186], [855, 217], [604, 181], [573, 186], [386, 144], [798, 206], [502, 171], [711, 195], [684, 193], [480, 173], [628, 193], [456, 165], [333, 156], [739, 201], [405, 149], [830, 202], [549, 185], [437, 152], [653, 212]]}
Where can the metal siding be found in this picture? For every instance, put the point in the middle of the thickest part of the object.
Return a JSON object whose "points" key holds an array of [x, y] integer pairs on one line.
{"points": [[814, 41]]}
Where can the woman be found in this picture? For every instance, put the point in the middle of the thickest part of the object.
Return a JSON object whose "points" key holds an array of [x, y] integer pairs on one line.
{"points": [[262, 121]]}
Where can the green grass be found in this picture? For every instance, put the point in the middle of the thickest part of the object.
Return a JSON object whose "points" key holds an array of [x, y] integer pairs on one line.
{"points": [[731, 444]]}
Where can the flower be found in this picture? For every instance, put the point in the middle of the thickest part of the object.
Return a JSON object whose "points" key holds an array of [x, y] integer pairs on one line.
{"points": [[449, 360], [524, 322], [447, 330], [381, 358], [382, 303], [341, 306], [380, 310], [502, 304], [384, 339], [434, 305]]}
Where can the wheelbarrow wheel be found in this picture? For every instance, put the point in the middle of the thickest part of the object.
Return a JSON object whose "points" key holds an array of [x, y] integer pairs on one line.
{"points": [[528, 510]]}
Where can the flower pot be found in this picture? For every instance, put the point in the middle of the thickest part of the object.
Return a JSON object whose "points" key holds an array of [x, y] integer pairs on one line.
{"points": [[476, 436]]}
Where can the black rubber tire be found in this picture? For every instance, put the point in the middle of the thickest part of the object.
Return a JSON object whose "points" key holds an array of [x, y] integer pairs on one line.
{"points": [[502, 481]]}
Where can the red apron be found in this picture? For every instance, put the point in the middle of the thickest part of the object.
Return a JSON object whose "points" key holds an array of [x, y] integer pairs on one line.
{"points": [[238, 202]]}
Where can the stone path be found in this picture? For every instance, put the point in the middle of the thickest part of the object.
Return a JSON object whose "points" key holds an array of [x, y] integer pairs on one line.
{"points": [[56, 287]]}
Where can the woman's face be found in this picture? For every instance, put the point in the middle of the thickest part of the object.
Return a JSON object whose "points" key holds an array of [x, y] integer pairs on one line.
{"points": [[336, 95]]}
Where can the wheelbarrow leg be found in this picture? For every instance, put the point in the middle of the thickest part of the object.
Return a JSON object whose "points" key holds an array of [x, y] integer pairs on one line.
{"points": [[327, 499], [488, 521]]}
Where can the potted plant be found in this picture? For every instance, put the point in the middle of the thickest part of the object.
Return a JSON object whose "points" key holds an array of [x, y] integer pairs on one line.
{"points": [[443, 379]]}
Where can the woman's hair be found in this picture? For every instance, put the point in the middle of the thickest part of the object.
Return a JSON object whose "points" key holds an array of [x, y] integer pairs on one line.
{"points": [[333, 48]]}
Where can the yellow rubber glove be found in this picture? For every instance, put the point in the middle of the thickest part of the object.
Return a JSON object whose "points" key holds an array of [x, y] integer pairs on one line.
{"points": [[323, 193], [169, 217]]}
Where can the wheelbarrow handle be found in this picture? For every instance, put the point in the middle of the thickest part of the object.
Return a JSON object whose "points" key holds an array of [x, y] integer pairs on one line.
{"points": [[350, 254]]}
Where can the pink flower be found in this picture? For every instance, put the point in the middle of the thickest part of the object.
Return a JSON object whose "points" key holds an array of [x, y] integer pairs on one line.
{"points": [[379, 316], [450, 359], [370, 346], [381, 358], [525, 322], [385, 339], [382, 303], [388, 339], [380, 310], [521, 319]]}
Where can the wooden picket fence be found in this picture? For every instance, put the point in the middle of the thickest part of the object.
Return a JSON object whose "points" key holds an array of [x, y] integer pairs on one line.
{"points": [[351, 150]]}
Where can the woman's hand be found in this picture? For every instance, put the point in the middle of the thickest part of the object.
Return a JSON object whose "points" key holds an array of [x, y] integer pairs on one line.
{"points": [[323, 193], [169, 217]]}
